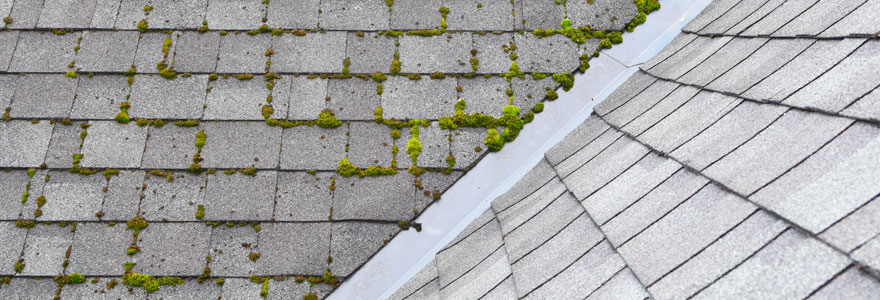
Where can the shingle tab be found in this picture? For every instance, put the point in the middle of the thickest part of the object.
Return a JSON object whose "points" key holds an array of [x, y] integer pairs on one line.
{"points": [[640, 104], [10, 251], [584, 276], [243, 53], [605, 167], [44, 250], [24, 144], [370, 145], [536, 178], [123, 195], [541, 14], [107, 51], [852, 78], [791, 138], [224, 194], [633, 86], [448, 53], [43, 96], [307, 97], [660, 110], [737, 50], [353, 243], [150, 52], [170, 147], [490, 15], [608, 15], [172, 249], [712, 12], [294, 248], [485, 95], [370, 53], [15, 183], [415, 14], [64, 143], [235, 14], [177, 200], [491, 55], [698, 113], [98, 97], [113, 145], [71, 196], [538, 227], [754, 15], [353, 99], [689, 57], [314, 52], [435, 97], [580, 137], [855, 229], [8, 41], [550, 54], [760, 64], [387, 198], [819, 17], [233, 99], [230, 249], [480, 280], [306, 12], [629, 187], [867, 107], [196, 52], [25, 14], [860, 21], [303, 197], [361, 15], [852, 284], [779, 17], [98, 249], [154, 97], [312, 147], [241, 145], [736, 14], [869, 254]]}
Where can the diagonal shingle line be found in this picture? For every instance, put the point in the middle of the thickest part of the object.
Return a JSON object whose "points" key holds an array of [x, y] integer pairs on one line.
{"points": [[566, 267], [740, 19], [622, 269], [727, 189], [680, 169], [875, 198], [875, 89], [550, 238], [509, 276], [617, 176], [576, 151], [633, 97], [591, 158], [844, 16], [827, 282], [665, 214], [759, 19], [500, 247], [467, 236], [649, 108], [537, 213], [436, 278], [739, 264], [719, 16], [674, 53], [746, 141]]}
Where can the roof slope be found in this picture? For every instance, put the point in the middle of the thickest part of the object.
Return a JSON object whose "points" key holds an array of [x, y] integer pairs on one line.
{"points": [[277, 122], [741, 162]]}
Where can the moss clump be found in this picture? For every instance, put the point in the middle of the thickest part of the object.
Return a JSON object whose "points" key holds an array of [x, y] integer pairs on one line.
{"points": [[249, 171], [7, 20], [605, 44], [310, 295], [142, 25], [327, 119], [414, 76], [539, 107], [187, 123], [265, 290], [254, 256], [25, 223], [200, 212], [122, 116], [414, 146], [149, 283], [551, 94], [346, 168], [494, 141], [379, 77], [511, 110], [426, 32], [220, 281], [566, 79], [438, 75], [615, 37], [137, 223], [74, 278], [19, 266], [110, 172], [71, 74], [168, 73], [244, 76], [395, 64], [267, 111]]}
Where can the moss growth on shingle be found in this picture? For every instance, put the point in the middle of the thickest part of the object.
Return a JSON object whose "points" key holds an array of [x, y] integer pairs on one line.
{"points": [[187, 123], [142, 25], [137, 223], [200, 212], [327, 119]]}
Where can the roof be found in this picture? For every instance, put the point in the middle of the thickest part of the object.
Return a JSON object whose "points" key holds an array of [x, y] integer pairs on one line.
{"points": [[210, 141], [740, 162]]}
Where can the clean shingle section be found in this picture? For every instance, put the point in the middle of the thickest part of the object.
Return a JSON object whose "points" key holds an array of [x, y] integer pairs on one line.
{"points": [[307, 97], [418, 99], [243, 53], [353, 99], [71, 196], [829, 184], [98, 249], [485, 95], [852, 78], [629, 187], [490, 53], [294, 248], [123, 195], [353, 243], [448, 53], [312, 147], [154, 97], [584, 276], [536, 178], [360, 15], [180, 14], [588, 152], [580, 137], [513, 216], [369, 53], [230, 250], [173, 249], [66, 13], [98, 97], [760, 64], [699, 112], [104, 16], [370, 145], [196, 52], [480, 280], [233, 99], [24, 144], [733, 16], [789, 267], [867, 107], [8, 41], [540, 227], [170, 147], [15, 183], [385, 198], [624, 284], [855, 229], [107, 51], [689, 57], [549, 54], [415, 14], [660, 110], [303, 197], [712, 12], [235, 14], [224, 194], [64, 143], [10, 251], [241, 145], [641, 103], [791, 138], [818, 18], [725, 58], [113, 145], [541, 14], [860, 21], [852, 284], [489, 15], [43, 96], [609, 15], [177, 200], [456, 261], [314, 52], [44, 250], [306, 12], [779, 17], [633, 86], [679, 42], [605, 167]]}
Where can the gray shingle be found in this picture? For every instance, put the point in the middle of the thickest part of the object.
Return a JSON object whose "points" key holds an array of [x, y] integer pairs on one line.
{"points": [[190, 289], [606, 15], [829, 184], [25, 13], [307, 97], [610, 163], [528, 92], [7, 88], [8, 41], [587, 153], [229, 256], [64, 143], [44, 250], [624, 285], [418, 14], [480, 280], [235, 14], [481, 221], [98, 97], [15, 183], [633, 86], [435, 147], [869, 254], [491, 15], [241, 145], [353, 99], [580, 137], [123, 196], [723, 255], [536, 178], [243, 53], [196, 52], [11, 250], [449, 53], [224, 194], [387, 198], [24, 144], [154, 97], [104, 16], [26, 288], [172, 249], [170, 147], [491, 56], [113, 145], [182, 14], [5, 7], [72, 196], [149, 51], [233, 99], [315, 52], [43, 96], [660, 110], [354, 243], [177, 200], [723, 60], [641, 103], [745, 22], [804, 68], [370, 145], [860, 21], [551, 54], [370, 52], [584, 276], [855, 229], [464, 146], [303, 197], [362, 15], [729, 132], [679, 42], [430, 291], [312, 147], [541, 14], [779, 17], [107, 51], [99, 249], [294, 248], [26, 209], [423, 277], [241, 288], [788, 140], [485, 95], [688, 120], [854, 77], [538, 227], [867, 107], [306, 13], [852, 284], [818, 18], [760, 64], [284, 289], [514, 215], [790, 267], [629, 187], [737, 14], [709, 14], [435, 97], [504, 290], [566, 247], [689, 57], [684, 232]]}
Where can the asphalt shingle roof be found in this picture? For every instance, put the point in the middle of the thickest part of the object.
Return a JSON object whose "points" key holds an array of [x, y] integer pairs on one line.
{"points": [[740, 162]]}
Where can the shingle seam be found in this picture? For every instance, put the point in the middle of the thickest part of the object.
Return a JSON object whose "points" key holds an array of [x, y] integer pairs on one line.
{"points": [[736, 64], [537, 213], [617, 176], [651, 107], [740, 20], [9, 61], [466, 236], [674, 53], [437, 278], [703, 249], [661, 119], [799, 108], [729, 190], [622, 269], [509, 276], [704, 60], [218, 220], [843, 17], [827, 282], [707, 128], [630, 98], [718, 16], [787, 37], [591, 158], [740, 263], [744, 29], [664, 215], [564, 269], [576, 151], [875, 89], [500, 247], [778, 68], [746, 141], [187, 169], [680, 169], [875, 198], [550, 238], [526, 196]]}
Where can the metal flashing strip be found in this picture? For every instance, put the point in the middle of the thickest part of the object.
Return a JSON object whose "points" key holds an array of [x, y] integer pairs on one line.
{"points": [[410, 251]]}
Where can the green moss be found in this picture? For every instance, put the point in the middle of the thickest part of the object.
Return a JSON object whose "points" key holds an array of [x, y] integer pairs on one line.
{"points": [[212, 77], [19, 266], [438, 75], [244, 76], [254, 256], [426, 32], [267, 111], [200, 212], [566, 79], [265, 290], [605, 44], [7, 20], [220, 281], [511, 110], [187, 123], [25, 223], [168, 73], [395, 64], [494, 141], [379, 77], [414, 76], [327, 119], [475, 64], [539, 107], [566, 23], [249, 171], [346, 168], [137, 223], [142, 25], [414, 146], [310, 295], [73, 278], [584, 62], [71, 74]]}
